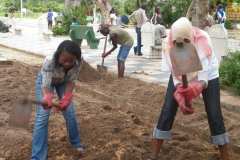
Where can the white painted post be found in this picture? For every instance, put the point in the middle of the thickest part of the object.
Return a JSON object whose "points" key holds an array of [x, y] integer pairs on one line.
{"points": [[21, 6], [94, 14]]}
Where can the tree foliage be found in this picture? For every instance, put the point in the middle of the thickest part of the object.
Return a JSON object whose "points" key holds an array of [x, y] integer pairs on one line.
{"points": [[130, 6], [118, 6], [33, 5], [78, 13], [9, 5], [43, 5], [224, 1], [171, 9], [229, 71]]}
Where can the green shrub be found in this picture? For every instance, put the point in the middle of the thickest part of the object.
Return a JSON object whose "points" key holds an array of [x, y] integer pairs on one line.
{"points": [[55, 6], [228, 24], [59, 30], [38, 9], [43, 6], [130, 6], [230, 71], [68, 14]]}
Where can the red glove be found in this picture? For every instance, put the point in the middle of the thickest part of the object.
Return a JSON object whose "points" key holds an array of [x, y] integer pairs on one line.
{"points": [[47, 99], [66, 100], [179, 96], [193, 90]]}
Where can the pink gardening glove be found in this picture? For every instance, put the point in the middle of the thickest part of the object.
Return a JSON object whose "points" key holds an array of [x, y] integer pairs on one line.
{"points": [[179, 96], [193, 90], [66, 100], [47, 100]]}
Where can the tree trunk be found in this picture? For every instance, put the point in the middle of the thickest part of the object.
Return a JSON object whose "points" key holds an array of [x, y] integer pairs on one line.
{"points": [[139, 3], [198, 12], [72, 3], [105, 8]]}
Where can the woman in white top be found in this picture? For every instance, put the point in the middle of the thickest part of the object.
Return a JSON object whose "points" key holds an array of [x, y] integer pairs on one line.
{"points": [[113, 17], [205, 82]]}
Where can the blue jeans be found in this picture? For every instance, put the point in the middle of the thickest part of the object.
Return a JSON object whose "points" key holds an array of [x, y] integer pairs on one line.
{"points": [[123, 53], [211, 98], [40, 132], [137, 49]]}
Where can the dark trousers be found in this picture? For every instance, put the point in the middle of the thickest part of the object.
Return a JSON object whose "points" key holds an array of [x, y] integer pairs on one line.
{"points": [[211, 98], [50, 23], [137, 49]]}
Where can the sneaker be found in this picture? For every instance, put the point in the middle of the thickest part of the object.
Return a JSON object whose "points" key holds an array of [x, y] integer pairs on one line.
{"points": [[80, 149], [139, 54], [153, 158]]}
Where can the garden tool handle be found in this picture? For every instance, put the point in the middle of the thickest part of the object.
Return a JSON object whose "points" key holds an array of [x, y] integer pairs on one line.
{"points": [[105, 45], [104, 49], [54, 104], [185, 85], [102, 61], [184, 81]]}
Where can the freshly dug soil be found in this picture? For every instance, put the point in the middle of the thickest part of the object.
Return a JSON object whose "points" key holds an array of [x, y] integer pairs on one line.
{"points": [[116, 118], [88, 73]]}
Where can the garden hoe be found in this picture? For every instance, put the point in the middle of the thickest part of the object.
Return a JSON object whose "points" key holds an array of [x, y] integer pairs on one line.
{"points": [[22, 111], [184, 59], [102, 68]]}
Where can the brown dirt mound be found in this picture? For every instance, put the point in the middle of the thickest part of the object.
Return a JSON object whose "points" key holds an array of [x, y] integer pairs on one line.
{"points": [[88, 73], [116, 120]]}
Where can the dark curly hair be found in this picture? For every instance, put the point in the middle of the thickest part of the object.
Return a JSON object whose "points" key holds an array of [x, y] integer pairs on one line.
{"points": [[69, 47]]}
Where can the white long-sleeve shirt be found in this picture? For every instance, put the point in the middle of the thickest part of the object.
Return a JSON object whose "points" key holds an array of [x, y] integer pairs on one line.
{"points": [[221, 17], [140, 17], [210, 64]]}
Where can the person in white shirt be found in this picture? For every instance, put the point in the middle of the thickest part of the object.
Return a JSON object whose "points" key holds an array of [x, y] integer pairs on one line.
{"points": [[159, 28], [113, 17], [205, 82], [157, 17], [140, 18]]}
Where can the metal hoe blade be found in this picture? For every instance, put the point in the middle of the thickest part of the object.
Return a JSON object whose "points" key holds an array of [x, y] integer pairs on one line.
{"points": [[185, 59], [21, 114], [102, 68]]}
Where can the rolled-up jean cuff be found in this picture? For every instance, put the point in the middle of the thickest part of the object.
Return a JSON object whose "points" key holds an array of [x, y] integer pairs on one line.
{"points": [[220, 139], [158, 134]]}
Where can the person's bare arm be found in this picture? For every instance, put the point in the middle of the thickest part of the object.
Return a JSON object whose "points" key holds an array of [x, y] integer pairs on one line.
{"points": [[113, 38]]}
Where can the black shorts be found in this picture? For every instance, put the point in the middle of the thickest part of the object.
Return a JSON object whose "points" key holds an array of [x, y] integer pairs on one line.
{"points": [[50, 23]]}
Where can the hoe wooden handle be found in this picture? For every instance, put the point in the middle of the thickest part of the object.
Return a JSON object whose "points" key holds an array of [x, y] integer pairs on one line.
{"points": [[104, 49], [54, 104], [185, 85]]}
